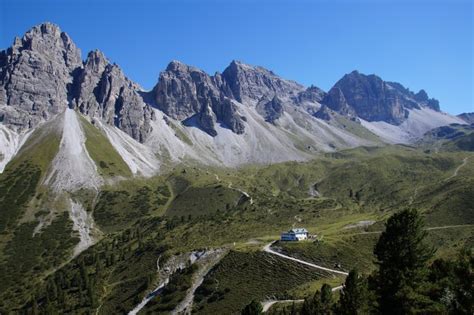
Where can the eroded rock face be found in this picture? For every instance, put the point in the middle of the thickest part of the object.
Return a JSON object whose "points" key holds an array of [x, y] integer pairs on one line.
{"points": [[103, 91], [336, 101], [271, 110], [373, 99], [312, 94], [36, 75], [190, 95], [42, 74], [249, 84], [187, 93]]}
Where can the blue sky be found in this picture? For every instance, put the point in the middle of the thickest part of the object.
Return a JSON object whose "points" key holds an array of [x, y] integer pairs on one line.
{"points": [[421, 44]]}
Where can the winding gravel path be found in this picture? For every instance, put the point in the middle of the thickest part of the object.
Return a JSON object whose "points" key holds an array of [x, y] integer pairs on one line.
{"points": [[268, 249], [268, 304], [456, 171]]}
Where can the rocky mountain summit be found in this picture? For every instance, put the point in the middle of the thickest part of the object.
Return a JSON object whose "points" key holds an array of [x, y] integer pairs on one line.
{"points": [[190, 95], [101, 90], [372, 99], [42, 74], [36, 76]]}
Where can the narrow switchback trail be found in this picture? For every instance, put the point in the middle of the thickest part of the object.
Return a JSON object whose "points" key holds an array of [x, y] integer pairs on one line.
{"points": [[267, 248], [229, 185], [456, 171]]}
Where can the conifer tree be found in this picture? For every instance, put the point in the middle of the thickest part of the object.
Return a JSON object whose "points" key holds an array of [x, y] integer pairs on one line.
{"points": [[254, 308], [464, 283], [354, 298], [402, 257], [320, 304]]}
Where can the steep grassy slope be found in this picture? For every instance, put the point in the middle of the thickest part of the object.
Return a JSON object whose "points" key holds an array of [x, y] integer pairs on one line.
{"points": [[108, 161], [23, 256], [194, 201]]}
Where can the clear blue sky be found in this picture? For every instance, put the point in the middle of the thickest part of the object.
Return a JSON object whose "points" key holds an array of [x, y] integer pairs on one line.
{"points": [[421, 44]]}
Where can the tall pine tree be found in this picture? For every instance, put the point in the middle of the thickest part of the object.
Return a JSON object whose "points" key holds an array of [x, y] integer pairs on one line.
{"points": [[254, 308], [402, 257], [321, 303], [354, 298]]}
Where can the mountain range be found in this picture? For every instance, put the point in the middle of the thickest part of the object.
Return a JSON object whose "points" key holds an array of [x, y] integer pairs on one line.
{"points": [[246, 114]]}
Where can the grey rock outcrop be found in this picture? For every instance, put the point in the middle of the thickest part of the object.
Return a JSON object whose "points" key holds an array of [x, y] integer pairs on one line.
{"points": [[422, 98], [373, 99], [248, 84], [42, 74], [36, 76], [336, 101], [103, 91], [271, 110], [312, 94], [190, 95]]}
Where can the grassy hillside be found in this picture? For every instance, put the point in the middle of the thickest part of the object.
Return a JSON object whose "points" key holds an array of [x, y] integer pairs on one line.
{"points": [[192, 208], [243, 276], [108, 161], [25, 256]]}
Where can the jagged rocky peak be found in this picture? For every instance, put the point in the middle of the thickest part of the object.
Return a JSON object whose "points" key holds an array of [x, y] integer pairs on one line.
{"points": [[36, 76], [190, 95], [373, 99], [47, 39], [104, 92], [42, 74], [96, 61], [248, 84], [179, 88], [422, 97]]}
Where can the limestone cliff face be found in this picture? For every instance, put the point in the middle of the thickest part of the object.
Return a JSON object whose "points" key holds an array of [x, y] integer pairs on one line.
{"points": [[188, 94], [42, 74], [336, 101], [372, 99], [192, 96], [102, 91], [36, 75], [249, 84], [467, 117]]}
